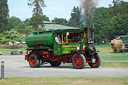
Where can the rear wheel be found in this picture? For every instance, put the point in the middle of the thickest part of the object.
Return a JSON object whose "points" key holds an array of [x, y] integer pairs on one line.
{"points": [[55, 63], [40, 63], [33, 61], [40, 60], [78, 61], [97, 61]]}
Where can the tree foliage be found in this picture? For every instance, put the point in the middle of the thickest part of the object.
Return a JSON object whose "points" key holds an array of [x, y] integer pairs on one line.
{"points": [[45, 18], [118, 8], [103, 24], [23, 29], [4, 15], [76, 17], [13, 36], [111, 22], [60, 21], [36, 20], [13, 21], [120, 24], [3, 40]]}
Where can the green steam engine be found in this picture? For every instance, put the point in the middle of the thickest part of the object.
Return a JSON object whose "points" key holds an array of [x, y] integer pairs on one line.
{"points": [[75, 47]]}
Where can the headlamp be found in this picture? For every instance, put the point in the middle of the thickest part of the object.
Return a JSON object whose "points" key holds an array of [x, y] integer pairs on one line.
{"points": [[78, 48]]}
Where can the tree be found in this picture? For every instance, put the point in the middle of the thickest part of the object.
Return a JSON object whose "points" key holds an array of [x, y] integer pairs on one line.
{"points": [[45, 18], [12, 22], [103, 25], [111, 22], [72, 22], [3, 40], [37, 18], [120, 24], [27, 21], [60, 21], [76, 17], [4, 15], [13, 36], [119, 17], [23, 29], [119, 7]]}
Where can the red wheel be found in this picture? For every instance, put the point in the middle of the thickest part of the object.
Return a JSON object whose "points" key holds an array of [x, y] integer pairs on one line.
{"points": [[33, 61], [97, 62], [78, 61]]}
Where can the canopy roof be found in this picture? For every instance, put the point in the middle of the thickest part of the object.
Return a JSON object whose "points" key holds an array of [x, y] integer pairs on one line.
{"points": [[53, 26], [64, 30]]}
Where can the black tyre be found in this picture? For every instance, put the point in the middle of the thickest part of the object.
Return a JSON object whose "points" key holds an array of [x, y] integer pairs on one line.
{"points": [[97, 62], [40, 60], [90, 49], [78, 61], [33, 61], [40, 63], [55, 63]]}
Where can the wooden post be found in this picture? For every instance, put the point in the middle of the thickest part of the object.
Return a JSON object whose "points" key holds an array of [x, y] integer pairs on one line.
{"points": [[62, 37], [66, 38]]}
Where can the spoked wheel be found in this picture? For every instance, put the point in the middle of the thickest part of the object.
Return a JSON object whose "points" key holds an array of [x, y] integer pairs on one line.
{"points": [[97, 61], [78, 61], [33, 61], [55, 63]]}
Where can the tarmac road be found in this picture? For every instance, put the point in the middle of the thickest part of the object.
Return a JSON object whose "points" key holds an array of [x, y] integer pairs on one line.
{"points": [[16, 66]]}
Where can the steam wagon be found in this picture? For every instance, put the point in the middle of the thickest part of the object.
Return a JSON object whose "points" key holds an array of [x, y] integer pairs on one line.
{"points": [[75, 47]]}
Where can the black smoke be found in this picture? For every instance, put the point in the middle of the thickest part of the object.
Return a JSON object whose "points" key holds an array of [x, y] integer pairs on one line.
{"points": [[88, 10]]}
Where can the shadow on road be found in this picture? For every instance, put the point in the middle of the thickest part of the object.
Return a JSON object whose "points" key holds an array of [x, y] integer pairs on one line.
{"points": [[56, 67], [64, 67]]}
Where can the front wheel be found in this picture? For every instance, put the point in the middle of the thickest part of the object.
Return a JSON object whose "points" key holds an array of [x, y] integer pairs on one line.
{"points": [[78, 61], [97, 61], [33, 61]]}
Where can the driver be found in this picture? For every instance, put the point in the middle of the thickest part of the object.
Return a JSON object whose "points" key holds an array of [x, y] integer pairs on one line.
{"points": [[57, 39]]}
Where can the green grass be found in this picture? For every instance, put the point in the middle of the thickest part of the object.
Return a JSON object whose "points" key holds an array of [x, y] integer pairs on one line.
{"points": [[103, 48], [111, 59], [117, 65], [64, 81], [7, 51], [107, 54]]}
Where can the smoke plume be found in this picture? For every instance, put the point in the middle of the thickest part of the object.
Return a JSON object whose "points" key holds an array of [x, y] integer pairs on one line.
{"points": [[89, 8]]}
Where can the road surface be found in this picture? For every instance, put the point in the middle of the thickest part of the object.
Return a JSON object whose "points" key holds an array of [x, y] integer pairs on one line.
{"points": [[16, 66]]}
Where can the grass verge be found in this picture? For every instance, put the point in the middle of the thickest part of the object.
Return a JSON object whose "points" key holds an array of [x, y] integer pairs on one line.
{"points": [[64, 81], [116, 65]]}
